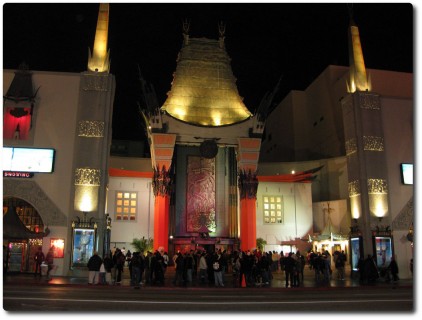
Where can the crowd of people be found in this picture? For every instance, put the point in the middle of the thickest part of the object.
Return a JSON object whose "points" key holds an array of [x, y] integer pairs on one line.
{"points": [[247, 268], [251, 268]]}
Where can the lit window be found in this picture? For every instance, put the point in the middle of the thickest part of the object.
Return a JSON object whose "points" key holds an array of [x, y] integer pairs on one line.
{"points": [[126, 206], [273, 209]]}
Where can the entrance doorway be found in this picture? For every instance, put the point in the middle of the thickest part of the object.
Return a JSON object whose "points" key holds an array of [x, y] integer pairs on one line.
{"points": [[22, 235]]}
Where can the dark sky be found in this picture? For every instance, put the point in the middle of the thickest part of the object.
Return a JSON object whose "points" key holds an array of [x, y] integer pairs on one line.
{"points": [[264, 41]]}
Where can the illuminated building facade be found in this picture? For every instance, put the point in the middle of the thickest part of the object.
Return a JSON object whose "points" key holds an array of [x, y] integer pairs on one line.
{"points": [[358, 124], [215, 179], [70, 114]]}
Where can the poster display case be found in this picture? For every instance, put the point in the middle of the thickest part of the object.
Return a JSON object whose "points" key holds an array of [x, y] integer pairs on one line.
{"points": [[383, 250], [356, 251], [83, 244]]}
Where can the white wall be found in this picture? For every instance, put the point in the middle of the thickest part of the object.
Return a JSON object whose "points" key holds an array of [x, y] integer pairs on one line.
{"points": [[339, 214], [54, 127], [296, 217], [398, 125], [57, 102], [123, 232]]}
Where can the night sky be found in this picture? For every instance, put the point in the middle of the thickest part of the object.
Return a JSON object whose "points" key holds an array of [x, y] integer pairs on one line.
{"points": [[265, 42]]}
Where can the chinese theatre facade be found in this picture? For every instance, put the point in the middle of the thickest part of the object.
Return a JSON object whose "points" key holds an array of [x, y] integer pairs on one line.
{"points": [[205, 148]]}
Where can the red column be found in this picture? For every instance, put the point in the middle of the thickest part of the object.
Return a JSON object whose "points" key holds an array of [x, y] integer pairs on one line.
{"points": [[247, 224], [248, 186], [161, 222], [161, 184]]}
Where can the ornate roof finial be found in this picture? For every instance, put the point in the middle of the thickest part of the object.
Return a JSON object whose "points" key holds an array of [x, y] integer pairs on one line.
{"points": [[221, 31], [359, 81], [99, 60], [186, 26]]}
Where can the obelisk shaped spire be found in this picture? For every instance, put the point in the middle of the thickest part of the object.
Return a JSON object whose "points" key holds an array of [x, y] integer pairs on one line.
{"points": [[99, 60], [358, 78]]}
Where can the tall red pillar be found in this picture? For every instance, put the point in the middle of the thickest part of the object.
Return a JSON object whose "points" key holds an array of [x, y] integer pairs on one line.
{"points": [[247, 157], [247, 224], [161, 222], [162, 148]]}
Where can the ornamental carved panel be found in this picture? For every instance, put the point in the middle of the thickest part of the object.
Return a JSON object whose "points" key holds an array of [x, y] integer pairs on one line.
{"points": [[91, 129], [354, 188], [373, 143], [200, 194], [248, 184], [369, 101], [87, 177], [95, 82]]}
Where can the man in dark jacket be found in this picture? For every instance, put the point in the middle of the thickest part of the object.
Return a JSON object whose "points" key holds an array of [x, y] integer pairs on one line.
{"points": [[137, 264], [108, 265], [394, 269], [180, 266], [119, 260], [289, 269], [94, 265], [39, 258]]}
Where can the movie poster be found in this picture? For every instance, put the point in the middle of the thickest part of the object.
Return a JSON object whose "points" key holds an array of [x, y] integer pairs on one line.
{"points": [[383, 251], [355, 246], [83, 245]]}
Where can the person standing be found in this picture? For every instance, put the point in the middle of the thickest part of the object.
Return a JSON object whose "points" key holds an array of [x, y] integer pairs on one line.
{"points": [[203, 268], [189, 263], [218, 271], [39, 258], [50, 261], [94, 265], [339, 260], [135, 275], [289, 269], [119, 260], [108, 265], [302, 263], [394, 269], [178, 275], [165, 263]]}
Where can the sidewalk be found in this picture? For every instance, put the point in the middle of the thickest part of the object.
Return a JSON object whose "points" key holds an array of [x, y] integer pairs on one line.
{"points": [[278, 281]]}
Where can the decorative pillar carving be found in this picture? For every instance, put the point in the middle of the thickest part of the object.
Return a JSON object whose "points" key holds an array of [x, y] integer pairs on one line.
{"points": [[248, 184], [161, 182]]}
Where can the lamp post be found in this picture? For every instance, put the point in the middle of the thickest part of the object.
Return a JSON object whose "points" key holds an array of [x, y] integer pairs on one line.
{"points": [[107, 235]]}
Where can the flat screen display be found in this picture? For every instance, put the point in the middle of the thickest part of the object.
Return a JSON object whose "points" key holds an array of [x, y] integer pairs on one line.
{"points": [[28, 159], [406, 173]]}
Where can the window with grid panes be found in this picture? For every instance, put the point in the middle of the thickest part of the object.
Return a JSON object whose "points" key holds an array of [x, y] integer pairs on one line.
{"points": [[126, 204], [273, 209]]}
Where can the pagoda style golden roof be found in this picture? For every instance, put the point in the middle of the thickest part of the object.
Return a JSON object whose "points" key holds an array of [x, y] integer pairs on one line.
{"points": [[203, 90]]}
